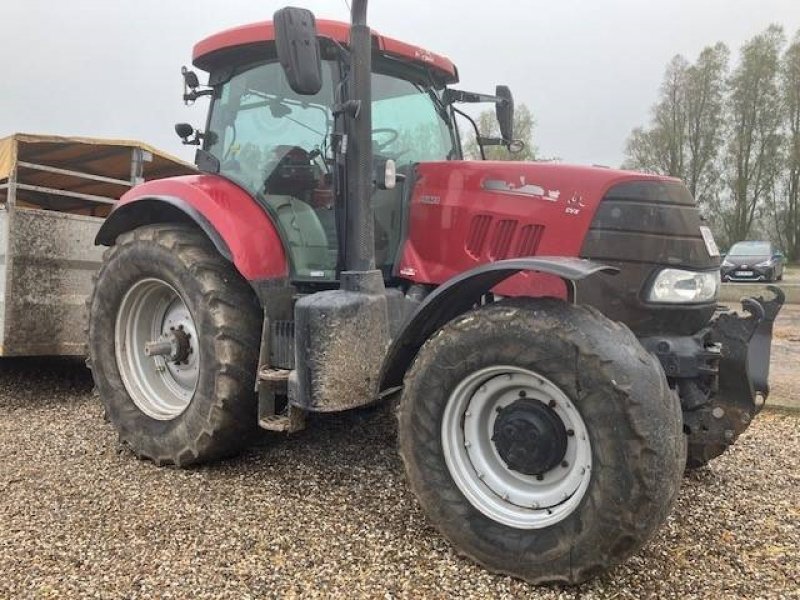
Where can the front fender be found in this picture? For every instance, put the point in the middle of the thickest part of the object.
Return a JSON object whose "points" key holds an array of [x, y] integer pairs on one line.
{"points": [[461, 293], [241, 230]]}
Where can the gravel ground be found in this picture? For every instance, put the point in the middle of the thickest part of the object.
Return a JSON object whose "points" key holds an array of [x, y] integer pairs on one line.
{"points": [[784, 374], [326, 513]]}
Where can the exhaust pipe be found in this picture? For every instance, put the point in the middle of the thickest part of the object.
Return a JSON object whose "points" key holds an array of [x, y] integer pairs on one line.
{"points": [[341, 336], [360, 225]]}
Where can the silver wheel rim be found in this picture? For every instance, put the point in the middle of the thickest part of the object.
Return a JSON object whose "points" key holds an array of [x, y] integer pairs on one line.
{"points": [[160, 385], [502, 494]]}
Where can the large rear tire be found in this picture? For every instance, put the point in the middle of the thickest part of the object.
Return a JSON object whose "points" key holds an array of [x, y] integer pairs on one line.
{"points": [[195, 401], [609, 451]]}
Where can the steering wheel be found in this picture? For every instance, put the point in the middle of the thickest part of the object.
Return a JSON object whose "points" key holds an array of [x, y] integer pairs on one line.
{"points": [[392, 133]]}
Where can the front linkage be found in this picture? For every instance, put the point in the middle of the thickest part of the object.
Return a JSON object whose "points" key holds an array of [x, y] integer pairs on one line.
{"points": [[721, 374]]}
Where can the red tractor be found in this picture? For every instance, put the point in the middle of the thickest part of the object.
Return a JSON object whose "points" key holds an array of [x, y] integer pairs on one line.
{"points": [[551, 333]]}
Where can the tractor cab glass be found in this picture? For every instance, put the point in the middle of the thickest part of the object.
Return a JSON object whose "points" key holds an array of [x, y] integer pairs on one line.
{"points": [[407, 124], [407, 127], [273, 142], [276, 144]]}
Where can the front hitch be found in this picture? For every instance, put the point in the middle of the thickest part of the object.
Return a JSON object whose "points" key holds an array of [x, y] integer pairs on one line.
{"points": [[744, 343]]}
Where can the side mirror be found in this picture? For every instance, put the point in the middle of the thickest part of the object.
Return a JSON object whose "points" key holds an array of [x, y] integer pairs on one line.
{"points": [[190, 85], [185, 131], [505, 112], [298, 49], [190, 79]]}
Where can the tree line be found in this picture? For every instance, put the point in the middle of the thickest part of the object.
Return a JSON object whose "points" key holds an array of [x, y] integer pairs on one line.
{"points": [[732, 133]]}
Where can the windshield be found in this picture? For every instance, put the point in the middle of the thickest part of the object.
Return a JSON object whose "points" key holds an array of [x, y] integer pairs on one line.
{"points": [[750, 249], [407, 124]]}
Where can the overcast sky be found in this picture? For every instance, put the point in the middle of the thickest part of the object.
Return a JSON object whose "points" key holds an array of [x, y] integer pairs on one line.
{"points": [[588, 69]]}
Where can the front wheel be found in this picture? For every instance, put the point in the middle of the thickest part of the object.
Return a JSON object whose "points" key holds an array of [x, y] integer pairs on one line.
{"points": [[541, 439], [174, 336]]}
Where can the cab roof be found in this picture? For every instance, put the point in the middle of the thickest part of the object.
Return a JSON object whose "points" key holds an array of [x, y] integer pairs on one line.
{"points": [[206, 50]]}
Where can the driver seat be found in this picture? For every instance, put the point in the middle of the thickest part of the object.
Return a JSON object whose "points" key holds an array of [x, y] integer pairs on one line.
{"points": [[305, 235]]}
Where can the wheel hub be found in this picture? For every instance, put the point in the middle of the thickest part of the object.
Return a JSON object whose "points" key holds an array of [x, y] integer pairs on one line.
{"points": [[529, 437], [157, 349], [174, 346], [516, 446]]}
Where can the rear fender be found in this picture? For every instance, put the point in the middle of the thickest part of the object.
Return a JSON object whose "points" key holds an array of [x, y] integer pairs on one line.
{"points": [[240, 229], [461, 293]]}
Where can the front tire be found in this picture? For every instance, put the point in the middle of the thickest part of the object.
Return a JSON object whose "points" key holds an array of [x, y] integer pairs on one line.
{"points": [[563, 508], [166, 286]]}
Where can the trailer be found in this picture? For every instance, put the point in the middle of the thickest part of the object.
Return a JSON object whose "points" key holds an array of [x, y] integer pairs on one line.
{"points": [[55, 192]]}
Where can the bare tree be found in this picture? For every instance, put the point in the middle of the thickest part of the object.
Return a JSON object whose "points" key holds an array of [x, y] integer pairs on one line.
{"points": [[489, 127], [787, 215], [670, 117], [704, 103], [661, 148], [755, 115], [686, 131]]}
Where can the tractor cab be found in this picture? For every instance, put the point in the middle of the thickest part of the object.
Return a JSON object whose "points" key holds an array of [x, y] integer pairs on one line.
{"points": [[281, 146]]}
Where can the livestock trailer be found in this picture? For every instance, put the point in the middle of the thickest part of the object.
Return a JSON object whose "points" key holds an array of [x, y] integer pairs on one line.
{"points": [[54, 194]]}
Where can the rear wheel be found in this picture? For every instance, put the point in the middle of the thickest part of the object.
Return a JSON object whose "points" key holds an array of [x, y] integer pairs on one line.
{"points": [[173, 342], [541, 439]]}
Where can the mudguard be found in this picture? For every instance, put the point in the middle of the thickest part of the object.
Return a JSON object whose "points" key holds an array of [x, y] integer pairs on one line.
{"points": [[241, 230], [464, 291]]}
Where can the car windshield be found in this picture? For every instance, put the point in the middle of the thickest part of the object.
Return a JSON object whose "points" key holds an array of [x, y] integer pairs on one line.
{"points": [[750, 249]]}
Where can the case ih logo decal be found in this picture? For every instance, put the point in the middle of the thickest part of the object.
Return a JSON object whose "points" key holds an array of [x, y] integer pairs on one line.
{"points": [[574, 205], [520, 189]]}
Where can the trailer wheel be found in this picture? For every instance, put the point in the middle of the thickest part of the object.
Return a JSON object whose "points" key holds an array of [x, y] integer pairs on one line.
{"points": [[541, 439], [173, 341]]}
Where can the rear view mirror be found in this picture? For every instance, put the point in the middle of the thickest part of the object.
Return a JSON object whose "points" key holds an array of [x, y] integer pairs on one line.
{"points": [[505, 112], [298, 49]]}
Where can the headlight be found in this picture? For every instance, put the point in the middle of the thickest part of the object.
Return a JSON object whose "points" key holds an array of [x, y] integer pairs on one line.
{"points": [[676, 286], [766, 263], [727, 263]]}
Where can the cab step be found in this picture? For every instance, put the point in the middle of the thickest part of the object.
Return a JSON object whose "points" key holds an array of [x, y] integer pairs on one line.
{"points": [[273, 382]]}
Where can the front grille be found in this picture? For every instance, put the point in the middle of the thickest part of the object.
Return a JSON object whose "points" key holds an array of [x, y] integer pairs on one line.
{"points": [[476, 237], [501, 240], [529, 238]]}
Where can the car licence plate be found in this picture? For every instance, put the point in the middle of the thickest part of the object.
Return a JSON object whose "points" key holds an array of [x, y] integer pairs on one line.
{"points": [[744, 273]]}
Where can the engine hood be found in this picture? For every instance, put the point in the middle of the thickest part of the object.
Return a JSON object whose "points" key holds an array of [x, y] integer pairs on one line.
{"points": [[467, 213]]}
